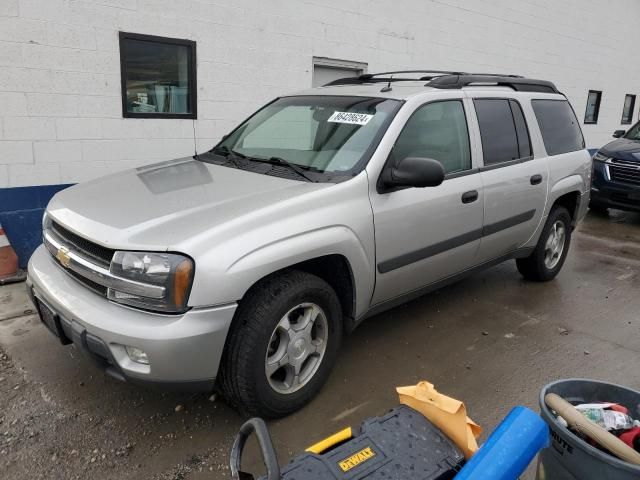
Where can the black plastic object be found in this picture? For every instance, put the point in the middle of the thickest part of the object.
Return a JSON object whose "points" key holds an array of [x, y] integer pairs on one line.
{"points": [[414, 172], [571, 458], [257, 426], [516, 83], [444, 79], [400, 445]]}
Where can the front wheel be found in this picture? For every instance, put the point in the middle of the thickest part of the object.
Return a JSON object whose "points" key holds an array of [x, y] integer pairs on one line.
{"points": [[282, 345], [551, 251]]}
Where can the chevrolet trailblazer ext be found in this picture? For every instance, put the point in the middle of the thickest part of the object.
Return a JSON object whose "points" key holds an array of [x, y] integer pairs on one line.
{"points": [[243, 267]]}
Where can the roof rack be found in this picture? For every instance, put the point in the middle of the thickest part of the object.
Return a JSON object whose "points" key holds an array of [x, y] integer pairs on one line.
{"points": [[515, 82], [385, 77], [452, 80]]}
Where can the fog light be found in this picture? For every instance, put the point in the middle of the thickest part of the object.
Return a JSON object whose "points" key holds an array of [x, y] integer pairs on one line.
{"points": [[137, 355]]}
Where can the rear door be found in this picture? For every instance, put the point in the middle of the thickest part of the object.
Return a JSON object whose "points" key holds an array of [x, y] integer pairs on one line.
{"points": [[514, 179]]}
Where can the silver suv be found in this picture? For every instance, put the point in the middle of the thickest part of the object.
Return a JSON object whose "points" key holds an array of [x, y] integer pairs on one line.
{"points": [[242, 268]]}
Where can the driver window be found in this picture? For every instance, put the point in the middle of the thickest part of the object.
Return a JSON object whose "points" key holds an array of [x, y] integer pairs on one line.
{"points": [[439, 131]]}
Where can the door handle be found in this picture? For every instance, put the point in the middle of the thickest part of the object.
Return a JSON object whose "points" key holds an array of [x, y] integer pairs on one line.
{"points": [[536, 179], [471, 196]]}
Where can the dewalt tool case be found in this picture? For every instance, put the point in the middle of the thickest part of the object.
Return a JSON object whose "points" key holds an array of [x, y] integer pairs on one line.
{"points": [[402, 444]]}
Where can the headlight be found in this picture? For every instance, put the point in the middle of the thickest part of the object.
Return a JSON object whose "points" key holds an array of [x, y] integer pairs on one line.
{"points": [[172, 272], [598, 157]]}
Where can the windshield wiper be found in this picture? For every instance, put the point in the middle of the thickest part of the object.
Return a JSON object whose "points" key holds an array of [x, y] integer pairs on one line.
{"points": [[292, 166], [230, 154]]}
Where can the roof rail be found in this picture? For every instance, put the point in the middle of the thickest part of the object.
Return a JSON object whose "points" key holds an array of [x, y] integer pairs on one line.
{"points": [[384, 77], [517, 83]]}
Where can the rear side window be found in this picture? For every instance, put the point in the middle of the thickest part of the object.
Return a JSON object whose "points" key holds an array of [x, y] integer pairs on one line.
{"points": [[522, 131], [558, 125], [503, 130]]}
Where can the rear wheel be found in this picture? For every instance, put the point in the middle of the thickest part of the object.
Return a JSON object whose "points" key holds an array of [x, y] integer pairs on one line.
{"points": [[551, 251], [282, 345]]}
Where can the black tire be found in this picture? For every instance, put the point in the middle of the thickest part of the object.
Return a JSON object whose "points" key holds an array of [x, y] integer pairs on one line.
{"points": [[533, 267], [242, 379]]}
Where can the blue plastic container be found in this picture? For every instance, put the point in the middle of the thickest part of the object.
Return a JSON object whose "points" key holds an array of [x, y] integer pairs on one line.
{"points": [[509, 449]]}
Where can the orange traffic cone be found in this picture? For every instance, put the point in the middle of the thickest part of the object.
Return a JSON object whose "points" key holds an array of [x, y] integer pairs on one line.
{"points": [[9, 271]]}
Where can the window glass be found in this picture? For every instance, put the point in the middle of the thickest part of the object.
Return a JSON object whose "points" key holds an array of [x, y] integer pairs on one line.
{"points": [[320, 133], [634, 132], [497, 130], [157, 76], [438, 131], [558, 125], [593, 107], [522, 131], [627, 109]]}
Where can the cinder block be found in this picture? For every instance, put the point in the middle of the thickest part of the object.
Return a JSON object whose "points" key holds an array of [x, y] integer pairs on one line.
{"points": [[4, 176], [52, 105], [99, 106], [57, 151], [16, 29], [15, 152], [29, 128], [40, 174], [13, 104], [105, 150], [74, 36], [78, 128], [9, 8]]}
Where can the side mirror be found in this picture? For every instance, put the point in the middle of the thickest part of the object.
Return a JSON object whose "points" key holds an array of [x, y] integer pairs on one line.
{"points": [[618, 133], [414, 172]]}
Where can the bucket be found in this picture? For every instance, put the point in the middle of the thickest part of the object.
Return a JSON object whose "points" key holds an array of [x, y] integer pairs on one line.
{"points": [[571, 458]]}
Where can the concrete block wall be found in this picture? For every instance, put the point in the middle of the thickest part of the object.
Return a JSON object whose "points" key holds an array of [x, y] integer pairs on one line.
{"points": [[60, 106]]}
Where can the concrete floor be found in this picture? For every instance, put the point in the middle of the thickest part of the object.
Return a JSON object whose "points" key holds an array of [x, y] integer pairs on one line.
{"points": [[63, 419]]}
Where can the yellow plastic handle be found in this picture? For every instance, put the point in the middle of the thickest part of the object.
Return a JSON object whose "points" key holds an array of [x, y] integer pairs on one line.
{"points": [[327, 443]]}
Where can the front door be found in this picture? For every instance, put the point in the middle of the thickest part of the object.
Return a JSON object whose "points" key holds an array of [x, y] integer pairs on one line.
{"points": [[427, 234]]}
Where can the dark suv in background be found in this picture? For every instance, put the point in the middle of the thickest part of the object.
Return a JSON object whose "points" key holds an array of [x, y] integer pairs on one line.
{"points": [[616, 172]]}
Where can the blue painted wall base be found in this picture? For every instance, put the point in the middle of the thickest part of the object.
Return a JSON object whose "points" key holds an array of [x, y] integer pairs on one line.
{"points": [[21, 210]]}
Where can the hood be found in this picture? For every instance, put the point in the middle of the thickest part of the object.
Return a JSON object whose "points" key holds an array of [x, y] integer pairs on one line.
{"points": [[622, 148], [162, 205]]}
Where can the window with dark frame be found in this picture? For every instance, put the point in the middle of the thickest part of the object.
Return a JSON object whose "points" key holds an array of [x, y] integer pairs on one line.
{"points": [[503, 130], [559, 126], [627, 109], [158, 77], [437, 130], [593, 106]]}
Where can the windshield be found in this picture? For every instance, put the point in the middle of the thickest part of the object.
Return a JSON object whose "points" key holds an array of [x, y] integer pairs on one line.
{"points": [[634, 132], [331, 134]]}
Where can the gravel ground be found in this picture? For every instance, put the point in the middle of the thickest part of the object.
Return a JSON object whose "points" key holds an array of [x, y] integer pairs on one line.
{"points": [[42, 439]]}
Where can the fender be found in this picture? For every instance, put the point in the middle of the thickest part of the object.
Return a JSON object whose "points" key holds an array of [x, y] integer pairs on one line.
{"points": [[572, 183], [245, 271]]}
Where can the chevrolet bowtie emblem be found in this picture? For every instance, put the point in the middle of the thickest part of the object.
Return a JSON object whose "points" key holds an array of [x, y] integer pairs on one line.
{"points": [[63, 257]]}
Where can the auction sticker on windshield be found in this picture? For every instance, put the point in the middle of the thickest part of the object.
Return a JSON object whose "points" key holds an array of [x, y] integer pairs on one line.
{"points": [[350, 117]]}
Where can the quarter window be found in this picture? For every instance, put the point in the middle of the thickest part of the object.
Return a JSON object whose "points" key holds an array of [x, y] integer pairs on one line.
{"points": [[158, 76], [558, 125], [439, 131], [503, 130], [627, 109], [593, 106]]}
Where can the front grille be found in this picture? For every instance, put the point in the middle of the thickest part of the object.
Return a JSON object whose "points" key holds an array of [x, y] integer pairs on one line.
{"points": [[91, 285], [96, 253], [625, 172]]}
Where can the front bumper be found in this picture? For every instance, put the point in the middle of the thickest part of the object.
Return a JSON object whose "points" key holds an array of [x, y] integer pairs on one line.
{"points": [[184, 350], [607, 193]]}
